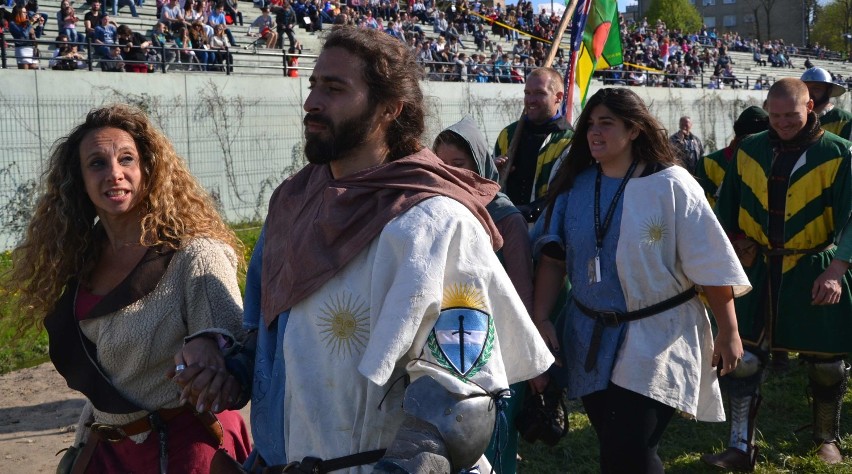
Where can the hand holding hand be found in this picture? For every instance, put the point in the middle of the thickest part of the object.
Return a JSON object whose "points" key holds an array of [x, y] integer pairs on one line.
{"points": [[200, 371]]}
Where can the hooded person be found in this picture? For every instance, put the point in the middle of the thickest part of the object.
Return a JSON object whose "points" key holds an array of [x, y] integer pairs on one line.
{"points": [[462, 145], [711, 168]]}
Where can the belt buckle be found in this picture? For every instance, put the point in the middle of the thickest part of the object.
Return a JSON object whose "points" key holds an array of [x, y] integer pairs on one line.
{"points": [[609, 318], [110, 433]]}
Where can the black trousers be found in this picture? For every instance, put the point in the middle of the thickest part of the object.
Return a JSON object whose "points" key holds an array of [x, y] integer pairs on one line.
{"points": [[629, 428]]}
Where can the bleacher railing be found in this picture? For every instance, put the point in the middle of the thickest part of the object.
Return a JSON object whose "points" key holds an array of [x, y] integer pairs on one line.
{"points": [[171, 58]]}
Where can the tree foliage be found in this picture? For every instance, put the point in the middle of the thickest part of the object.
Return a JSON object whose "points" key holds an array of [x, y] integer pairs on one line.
{"points": [[832, 22], [677, 14]]}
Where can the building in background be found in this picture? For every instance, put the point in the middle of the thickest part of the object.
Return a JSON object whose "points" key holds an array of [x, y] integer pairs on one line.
{"points": [[786, 18]]}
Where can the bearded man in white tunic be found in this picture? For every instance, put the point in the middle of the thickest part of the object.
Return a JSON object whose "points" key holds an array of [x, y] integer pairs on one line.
{"points": [[383, 318]]}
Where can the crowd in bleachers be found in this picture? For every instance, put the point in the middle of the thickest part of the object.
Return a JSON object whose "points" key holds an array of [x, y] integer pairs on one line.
{"points": [[464, 40], [193, 33]]}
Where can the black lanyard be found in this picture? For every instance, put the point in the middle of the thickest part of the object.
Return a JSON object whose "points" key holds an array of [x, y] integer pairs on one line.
{"points": [[600, 232]]}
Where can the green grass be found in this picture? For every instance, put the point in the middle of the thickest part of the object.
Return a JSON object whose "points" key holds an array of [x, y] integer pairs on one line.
{"points": [[782, 449]]}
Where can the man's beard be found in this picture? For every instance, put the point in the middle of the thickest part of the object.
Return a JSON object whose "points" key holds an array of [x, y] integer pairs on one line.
{"points": [[346, 136]]}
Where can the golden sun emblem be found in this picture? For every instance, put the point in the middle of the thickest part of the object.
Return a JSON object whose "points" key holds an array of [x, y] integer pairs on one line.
{"points": [[463, 295], [344, 324], [654, 231]]}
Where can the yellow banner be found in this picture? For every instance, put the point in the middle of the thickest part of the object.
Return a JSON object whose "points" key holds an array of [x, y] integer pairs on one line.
{"points": [[490, 20]]}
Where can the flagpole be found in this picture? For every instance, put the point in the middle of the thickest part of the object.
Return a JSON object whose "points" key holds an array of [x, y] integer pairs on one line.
{"points": [[516, 136]]}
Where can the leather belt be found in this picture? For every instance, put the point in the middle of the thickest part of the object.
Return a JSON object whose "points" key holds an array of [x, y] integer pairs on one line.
{"points": [[614, 318], [782, 252], [116, 433], [313, 465]]}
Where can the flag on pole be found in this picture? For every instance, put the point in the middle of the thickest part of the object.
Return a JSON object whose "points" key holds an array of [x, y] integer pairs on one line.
{"points": [[595, 45]]}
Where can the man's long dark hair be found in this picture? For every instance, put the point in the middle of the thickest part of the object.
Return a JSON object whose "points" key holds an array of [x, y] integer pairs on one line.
{"points": [[392, 74], [650, 146]]}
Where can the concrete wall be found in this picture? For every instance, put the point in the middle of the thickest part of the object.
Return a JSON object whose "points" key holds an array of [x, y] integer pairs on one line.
{"points": [[242, 135]]}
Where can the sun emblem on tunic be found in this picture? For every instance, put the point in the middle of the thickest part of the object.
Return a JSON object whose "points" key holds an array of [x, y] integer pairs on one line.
{"points": [[463, 295], [344, 324], [654, 231]]}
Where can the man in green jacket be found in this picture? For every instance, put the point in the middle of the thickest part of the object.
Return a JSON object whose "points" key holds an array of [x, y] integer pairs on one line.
{"points": [[785, 201], [545, 137]]}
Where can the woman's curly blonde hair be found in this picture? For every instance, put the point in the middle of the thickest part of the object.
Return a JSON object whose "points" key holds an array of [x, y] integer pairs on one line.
{"points": [[62, 240]]}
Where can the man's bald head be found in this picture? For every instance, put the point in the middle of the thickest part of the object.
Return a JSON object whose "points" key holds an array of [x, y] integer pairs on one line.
{"points": [[788, 105], [789, 87]]}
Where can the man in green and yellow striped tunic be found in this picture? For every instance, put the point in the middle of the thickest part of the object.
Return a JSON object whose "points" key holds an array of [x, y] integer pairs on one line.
{"points": [[711, 168], [545, 137], [785, 201]]}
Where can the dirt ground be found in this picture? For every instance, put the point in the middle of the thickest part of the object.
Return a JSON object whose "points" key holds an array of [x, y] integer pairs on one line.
{"points": [[38, 413]]}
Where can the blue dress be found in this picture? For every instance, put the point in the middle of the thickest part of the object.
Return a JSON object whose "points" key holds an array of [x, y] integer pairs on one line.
{"points": [[572, 226]]}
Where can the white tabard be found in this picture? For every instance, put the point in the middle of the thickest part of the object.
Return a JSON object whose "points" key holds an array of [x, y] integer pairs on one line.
{"points": [[347, 345]]}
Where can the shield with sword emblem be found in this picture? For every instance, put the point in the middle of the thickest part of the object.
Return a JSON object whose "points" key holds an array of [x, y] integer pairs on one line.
{"points": [[462, 339]]}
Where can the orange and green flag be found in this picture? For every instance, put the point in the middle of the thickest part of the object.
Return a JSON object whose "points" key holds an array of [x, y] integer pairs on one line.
{"points": [[595, 45]]}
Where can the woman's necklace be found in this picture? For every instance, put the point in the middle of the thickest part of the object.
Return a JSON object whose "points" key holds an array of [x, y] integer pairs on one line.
{"points": [[601, 230]]}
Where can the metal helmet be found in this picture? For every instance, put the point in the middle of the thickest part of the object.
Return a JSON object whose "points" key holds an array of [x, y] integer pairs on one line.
{"points": [[818, 74]]}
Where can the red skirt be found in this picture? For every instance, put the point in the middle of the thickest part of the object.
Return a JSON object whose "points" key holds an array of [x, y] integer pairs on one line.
{"points": [[190, 447]]}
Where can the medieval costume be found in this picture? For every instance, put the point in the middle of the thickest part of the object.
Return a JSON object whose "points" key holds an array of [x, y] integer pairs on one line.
{"points": [[116, 350], [364, 283]]}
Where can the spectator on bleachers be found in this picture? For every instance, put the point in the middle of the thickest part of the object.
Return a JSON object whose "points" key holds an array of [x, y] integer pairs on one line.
{"points": [[459, 73], [201, 45], [65, 56], [161, 42], [265, 26], [394, 30], [311, 17], [92, 19], [729, 78], [105, 34], [183, 43], [33, 14], [172, 15], [715, 83], [112, 62], [481, 39], [59, 14], [219, 47], [758, 59], [232, 9], [117, 4], [195, 11], [69, 23], [409, 26], [217, 17], [440, 23], [502, 69], [285, 21], [134, 49], [723, 61]]}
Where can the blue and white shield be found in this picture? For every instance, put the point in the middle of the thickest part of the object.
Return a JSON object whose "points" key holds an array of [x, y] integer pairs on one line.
{"points": [[461, 334]]}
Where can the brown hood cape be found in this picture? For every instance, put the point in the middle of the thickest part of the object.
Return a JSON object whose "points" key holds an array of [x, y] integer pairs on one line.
{"points": [[317, 224]]}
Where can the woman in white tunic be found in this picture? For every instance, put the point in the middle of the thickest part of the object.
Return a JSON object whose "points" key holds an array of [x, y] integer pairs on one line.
{"points": [[635, 236]]}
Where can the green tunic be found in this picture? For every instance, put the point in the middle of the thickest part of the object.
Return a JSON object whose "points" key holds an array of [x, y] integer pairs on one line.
{"points": [[710, 171], [554, 146], [838, 122], [818, 207]]}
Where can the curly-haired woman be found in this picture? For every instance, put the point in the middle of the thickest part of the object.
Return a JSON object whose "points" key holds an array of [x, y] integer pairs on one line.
{"points": [[128, 262]]}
